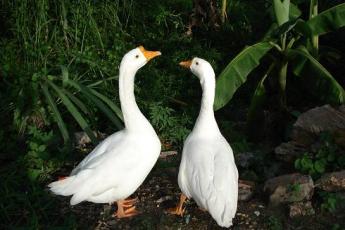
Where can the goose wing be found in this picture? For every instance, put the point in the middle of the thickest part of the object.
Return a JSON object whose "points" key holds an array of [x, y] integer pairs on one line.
{"points": [[93, 157], [214, 180]]}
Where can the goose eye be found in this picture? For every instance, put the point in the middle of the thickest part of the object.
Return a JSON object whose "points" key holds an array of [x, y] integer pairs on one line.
{"points": [[196, 63], [137, 56]]}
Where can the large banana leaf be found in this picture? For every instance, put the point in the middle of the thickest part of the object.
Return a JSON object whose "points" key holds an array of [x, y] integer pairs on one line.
{"points": [[295, 12], [74, 112], [281, 10], [328, 20], [320, 81], [236, 72], [259, 96]]}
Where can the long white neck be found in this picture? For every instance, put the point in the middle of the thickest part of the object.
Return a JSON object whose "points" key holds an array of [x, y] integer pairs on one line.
{"points": [[206, 123], [133, 118]]}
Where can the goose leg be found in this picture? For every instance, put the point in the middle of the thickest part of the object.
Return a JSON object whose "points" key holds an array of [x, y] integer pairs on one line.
{"points": [[126, 208], [178, 210]]}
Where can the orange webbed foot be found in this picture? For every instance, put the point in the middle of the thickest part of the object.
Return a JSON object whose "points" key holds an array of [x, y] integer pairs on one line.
{"points": [[129, 203], [178, 210], [126, 208]]}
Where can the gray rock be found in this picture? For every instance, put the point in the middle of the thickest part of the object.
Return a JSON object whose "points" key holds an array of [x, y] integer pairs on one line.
{"points": [[289, 188], [301, 209], [307, 128], [244, 159], [332, 182], [166, 154], [289, 151], [82, 139], [320, 119], [245, 190]]}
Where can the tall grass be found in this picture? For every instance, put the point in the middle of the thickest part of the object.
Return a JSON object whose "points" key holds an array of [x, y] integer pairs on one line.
{"points": [[58, 70], [61, 42]]}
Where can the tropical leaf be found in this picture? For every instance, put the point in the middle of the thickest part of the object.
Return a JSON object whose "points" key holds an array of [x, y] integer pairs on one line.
{"points": [[111, 104], [281, 10], [271, 32], [319, 78], [328, 20], [77, 101], [236, 72], [61, 124], [74, 112], [105, 109], [64, 75], [102, 81], [286, 27], [259, 96], [294, 12]]}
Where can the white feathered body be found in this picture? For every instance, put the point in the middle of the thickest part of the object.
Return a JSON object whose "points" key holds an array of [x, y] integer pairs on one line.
{"points": [[208, 174], [113, 170], [120, 163]]}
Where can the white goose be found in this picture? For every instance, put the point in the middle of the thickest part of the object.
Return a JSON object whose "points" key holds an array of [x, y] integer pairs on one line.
{"points": [[121, 162], [208, 173]]}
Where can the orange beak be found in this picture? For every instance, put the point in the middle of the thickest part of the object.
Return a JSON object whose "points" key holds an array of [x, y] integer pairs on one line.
{"points": [[186, 64], [149, 54]]}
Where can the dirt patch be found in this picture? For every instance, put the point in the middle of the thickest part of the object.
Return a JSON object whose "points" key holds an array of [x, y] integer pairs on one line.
{"points": [[160, 191]]}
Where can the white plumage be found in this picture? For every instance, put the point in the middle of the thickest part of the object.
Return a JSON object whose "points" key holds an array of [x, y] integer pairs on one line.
{"points": [[121, 162], [208, 173]]}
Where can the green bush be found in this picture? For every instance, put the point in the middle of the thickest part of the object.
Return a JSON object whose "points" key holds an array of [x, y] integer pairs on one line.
{"points": [[328, 157]]}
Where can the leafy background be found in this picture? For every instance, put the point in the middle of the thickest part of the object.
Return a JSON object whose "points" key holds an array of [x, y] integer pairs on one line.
{"points": [[58, 75]]}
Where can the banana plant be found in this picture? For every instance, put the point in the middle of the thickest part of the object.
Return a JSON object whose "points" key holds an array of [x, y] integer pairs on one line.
{"points": [[71, 95], [291, 43]]}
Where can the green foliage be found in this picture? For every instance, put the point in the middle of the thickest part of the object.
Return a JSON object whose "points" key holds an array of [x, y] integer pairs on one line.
{"points": [[281, 10], [24, 173], [236, 72], [319, 78], [38, 160], [330, 201], [336, 227], [59, 67], [274, 223], [47, 37], [328, 21], [25, 204], [171, 129], [326, 158], [294, 188], [241, 146], [291, 36]]}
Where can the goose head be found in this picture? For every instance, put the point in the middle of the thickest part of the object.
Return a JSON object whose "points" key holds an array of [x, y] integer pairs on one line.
{"points": [[200, 68], [137, 58]]}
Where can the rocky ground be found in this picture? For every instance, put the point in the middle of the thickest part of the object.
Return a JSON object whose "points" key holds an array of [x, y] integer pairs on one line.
{"points": [[278, 199], [160, 191]]}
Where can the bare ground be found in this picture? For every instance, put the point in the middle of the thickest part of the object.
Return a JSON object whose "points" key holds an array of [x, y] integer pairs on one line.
{"points": [[160, 191]]}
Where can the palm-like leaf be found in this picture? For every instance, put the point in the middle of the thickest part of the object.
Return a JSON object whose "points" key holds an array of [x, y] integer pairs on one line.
{"points": [[74, 111], [281, 10], [320, 80], [236, 72], [328, 20], [111, 104], [105, 109], [259, 96], [61, 124]]}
